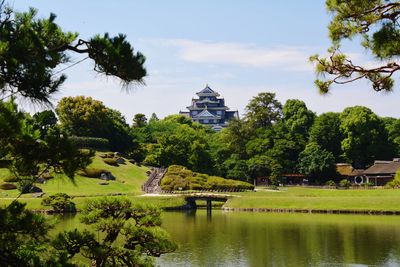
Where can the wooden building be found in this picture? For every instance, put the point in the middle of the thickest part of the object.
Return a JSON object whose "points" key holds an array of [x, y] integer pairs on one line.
{"points": [[382, 171]]}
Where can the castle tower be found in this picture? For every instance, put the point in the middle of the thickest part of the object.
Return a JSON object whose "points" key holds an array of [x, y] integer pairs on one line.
{"points": [[209, 109]]}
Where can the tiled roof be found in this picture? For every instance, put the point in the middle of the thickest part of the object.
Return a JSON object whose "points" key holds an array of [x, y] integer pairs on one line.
{"points": [[207, 91], [205, 113]]}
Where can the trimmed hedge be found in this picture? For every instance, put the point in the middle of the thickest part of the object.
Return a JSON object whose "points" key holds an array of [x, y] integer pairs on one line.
{"points": [[11, 179], [112, 162], [180, 178], [90, 142], [8, 186]]}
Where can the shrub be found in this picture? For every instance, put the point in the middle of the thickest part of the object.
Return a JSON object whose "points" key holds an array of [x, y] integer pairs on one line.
{"points": [[90, 142], [8, 186], [393, 184], [180, 177], [344, 183], [330, 183], [92, 172], [112, 162], [60, 203], [11, 179]]}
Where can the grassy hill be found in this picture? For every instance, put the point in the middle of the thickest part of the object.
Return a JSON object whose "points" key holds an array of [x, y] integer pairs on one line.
{"points": [[129, 179]]}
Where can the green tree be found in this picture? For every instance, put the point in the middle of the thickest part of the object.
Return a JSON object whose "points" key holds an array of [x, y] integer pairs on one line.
{"points": [[131, 234], [139, 120], [60, 203], [43, 121], [31, 49], [392, 126], [365, 137], [84, 116], [317, 163], [263, 110], [326, 133], [23, 237], [375, 22]]}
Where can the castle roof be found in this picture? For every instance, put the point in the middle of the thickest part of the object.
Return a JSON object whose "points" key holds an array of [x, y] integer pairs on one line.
{"points": [[205, 114], [207, 91]]}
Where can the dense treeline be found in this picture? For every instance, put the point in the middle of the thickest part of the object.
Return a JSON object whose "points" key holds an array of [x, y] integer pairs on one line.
{"points": [[270, 140]]}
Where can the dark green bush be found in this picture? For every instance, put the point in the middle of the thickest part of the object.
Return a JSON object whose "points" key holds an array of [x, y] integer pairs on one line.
{"points": [[344, 183], [11, 179], [60, 203], [112, 162], [8, 186], [90, 142], [92, 172], [330, 183]]}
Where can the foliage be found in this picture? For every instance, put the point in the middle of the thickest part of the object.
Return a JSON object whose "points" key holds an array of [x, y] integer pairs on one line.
{"points": [[316, 162], [263, 110], [344, 183], [90, 142], [180, 178], [32, 74], [376, 23], [330, 183], [60, 203], [179, 141], [325, 131], [84, 116], [139, 120], [23, 236], [131, 235], [365, 137]]}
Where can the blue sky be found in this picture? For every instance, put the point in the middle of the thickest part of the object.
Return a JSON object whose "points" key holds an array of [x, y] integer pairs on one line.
{"points": [[239, 48]]}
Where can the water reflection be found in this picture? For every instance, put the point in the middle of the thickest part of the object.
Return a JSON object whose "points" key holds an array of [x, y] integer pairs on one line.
{"points": [[265, 239]]}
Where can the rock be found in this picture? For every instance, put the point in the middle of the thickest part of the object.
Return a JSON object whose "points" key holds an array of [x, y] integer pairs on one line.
{"points": [[35, 189], [120, 161], [41, 180], [107, 176], [38, 195], [118, 154]]}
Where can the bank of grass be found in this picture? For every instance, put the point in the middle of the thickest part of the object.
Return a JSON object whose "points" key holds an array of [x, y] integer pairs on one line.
{"points": [[298, 198], [161, 202], [129, 179]]}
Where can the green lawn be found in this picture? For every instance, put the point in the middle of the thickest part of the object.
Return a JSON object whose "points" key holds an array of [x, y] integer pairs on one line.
{"points": [[319, 199], [129, 179]]}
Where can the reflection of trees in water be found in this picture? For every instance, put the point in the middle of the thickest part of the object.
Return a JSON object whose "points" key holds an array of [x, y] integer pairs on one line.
{"points": [[259, 239]]}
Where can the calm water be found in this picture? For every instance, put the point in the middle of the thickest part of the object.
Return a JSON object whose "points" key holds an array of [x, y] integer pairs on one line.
{"points": [[268, 239]]}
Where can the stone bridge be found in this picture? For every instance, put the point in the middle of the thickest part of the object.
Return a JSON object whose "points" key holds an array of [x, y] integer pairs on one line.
{"points": [[209, 198]]}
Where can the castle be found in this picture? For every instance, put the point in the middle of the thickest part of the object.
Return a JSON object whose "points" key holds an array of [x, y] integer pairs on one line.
{"points": [[210, 110]]}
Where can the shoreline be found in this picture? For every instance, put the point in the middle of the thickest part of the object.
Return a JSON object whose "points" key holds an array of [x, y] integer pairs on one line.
{"points": [[313, 211]]}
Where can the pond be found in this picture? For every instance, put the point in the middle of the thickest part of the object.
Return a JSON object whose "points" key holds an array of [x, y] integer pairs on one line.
{"points": [[273, 239]]}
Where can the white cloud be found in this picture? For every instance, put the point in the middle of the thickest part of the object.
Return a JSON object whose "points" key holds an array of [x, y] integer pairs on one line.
{"points": [[248, 55]]}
